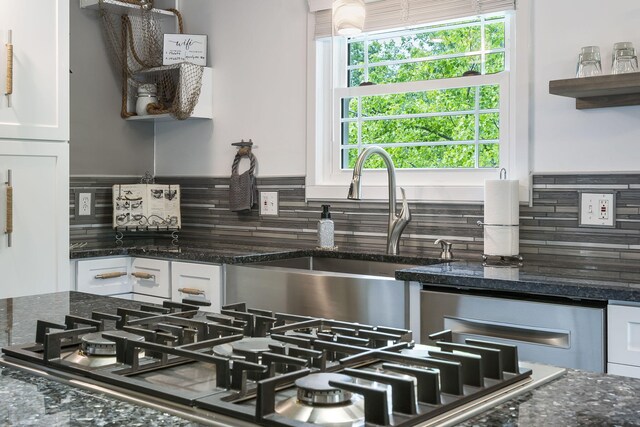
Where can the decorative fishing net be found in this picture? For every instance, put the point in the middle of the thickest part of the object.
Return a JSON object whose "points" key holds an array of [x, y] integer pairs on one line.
{"points": [[134, 37]]}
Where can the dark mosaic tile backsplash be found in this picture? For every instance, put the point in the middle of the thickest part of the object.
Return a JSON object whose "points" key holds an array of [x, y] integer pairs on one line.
{"points": [[549, 232]]}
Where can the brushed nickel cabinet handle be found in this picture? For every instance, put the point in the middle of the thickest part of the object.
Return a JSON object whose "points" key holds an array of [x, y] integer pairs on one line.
{"points": [[9, 82], [112, 275], [9, 213]]}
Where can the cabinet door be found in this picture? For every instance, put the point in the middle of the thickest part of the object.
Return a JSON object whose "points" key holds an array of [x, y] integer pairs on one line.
{"points": [[39, 107], [38, 259], [104, 276], [151, 277], [201, 277], [624, 338]]}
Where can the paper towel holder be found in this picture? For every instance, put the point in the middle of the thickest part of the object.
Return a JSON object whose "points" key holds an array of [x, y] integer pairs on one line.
{"points": [[500, 260]]}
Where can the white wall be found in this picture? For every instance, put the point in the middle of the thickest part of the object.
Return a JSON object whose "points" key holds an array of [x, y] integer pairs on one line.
{"points": [[258, 52], [257, 49], [563, 138], [101, 143]]}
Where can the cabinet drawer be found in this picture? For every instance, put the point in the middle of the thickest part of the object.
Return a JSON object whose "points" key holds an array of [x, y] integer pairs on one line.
{"points": [[104, 276], [150, 277], [624, 335], [204, 278]]}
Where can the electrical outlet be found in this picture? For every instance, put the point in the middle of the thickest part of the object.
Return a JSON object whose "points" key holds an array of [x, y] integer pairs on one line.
{"points": [[269, 203], [597, 210], [84, 204], [85, 209]]}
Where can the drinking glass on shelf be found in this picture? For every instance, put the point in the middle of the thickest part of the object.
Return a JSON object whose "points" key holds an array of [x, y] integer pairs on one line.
{"points": [[624, 59], [589, 63]]}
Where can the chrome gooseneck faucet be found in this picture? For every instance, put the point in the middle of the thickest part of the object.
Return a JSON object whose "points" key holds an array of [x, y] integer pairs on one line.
{"points": [[397, 223]]}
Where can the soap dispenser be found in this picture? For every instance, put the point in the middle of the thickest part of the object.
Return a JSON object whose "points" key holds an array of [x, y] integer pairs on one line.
{"points": [[325, 229]]}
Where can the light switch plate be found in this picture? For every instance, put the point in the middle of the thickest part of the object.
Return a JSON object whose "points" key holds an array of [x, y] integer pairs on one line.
{"points": [[269, 203], [597, 209]]}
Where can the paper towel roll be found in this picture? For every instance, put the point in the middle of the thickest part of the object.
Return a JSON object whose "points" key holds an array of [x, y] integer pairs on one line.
{"points": [[501, 241], [501, 202]]}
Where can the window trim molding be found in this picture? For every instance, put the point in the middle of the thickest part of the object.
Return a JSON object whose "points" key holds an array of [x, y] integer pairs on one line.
{"points": [[439, 187]]}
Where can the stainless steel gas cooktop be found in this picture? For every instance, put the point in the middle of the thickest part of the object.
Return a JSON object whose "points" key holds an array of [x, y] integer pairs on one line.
{"points": [[255, 367]]}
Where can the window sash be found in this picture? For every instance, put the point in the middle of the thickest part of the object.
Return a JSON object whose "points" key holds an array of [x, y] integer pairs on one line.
{"points": [[388, 14], [499, 79]]}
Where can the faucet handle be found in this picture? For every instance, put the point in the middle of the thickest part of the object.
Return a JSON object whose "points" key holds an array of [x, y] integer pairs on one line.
{"points": [[446, 248], [405, 213]]}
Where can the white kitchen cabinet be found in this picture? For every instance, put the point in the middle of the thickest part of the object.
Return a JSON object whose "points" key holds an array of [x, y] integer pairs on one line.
{"points": [[205, 278], [104, 276], [150, 277], [624, 340], [38, 259], [39, 107]]}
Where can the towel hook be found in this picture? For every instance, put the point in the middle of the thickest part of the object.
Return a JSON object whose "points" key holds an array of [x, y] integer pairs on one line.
{"points": [[245, 146]]}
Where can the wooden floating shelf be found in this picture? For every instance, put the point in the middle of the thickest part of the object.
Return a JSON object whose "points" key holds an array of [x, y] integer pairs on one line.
{"points": [[616, 90], [122, 8]]}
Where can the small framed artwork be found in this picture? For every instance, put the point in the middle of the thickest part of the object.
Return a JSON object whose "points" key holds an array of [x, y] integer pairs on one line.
{"points": [[185, 48]]}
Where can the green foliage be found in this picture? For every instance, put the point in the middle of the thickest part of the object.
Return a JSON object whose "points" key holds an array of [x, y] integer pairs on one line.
{"points": [[444, 119]]}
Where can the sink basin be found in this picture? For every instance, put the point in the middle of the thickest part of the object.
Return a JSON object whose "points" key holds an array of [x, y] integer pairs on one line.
{"points": [[352, 290], [337, 265]]}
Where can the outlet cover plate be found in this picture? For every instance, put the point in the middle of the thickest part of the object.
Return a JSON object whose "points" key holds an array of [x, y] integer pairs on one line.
{"points": [[85, 205], [269, 203], [597, 209]]}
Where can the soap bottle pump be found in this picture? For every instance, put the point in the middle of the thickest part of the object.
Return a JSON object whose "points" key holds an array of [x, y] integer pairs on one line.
{"points": [[325, 229]]}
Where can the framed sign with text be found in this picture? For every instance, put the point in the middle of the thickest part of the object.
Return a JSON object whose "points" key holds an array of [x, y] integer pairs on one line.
{"points": [[185, 48]]}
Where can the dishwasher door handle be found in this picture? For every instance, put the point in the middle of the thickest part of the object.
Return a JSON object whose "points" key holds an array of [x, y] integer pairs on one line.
{"points": [[528, 334]]}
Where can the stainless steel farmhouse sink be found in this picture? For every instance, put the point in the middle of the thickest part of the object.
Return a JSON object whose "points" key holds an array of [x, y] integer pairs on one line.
{"points": [[352, 290]]}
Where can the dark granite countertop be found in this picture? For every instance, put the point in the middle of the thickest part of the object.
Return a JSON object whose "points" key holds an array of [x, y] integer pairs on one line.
{"points": [[527, 279], [578, 398], [234, 254]]}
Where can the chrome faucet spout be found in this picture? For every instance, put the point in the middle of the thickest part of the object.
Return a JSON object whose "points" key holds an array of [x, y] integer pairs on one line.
{"points": [[397, 223]]}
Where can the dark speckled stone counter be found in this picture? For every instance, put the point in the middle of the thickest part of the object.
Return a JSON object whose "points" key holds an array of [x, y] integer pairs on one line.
{"points": [[579, 398], [234, 254], [528, 279]]}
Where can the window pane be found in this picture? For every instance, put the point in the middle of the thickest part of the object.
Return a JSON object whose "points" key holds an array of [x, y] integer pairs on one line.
{"points": [[352, 137], [429, 70], [489, 126], [489, 97], [494, 35], [489, 156], [356, 53], [494, 63], [426, 44], [432, 157], [437, 101], [356, 77], [350, 108], [427, 129]]}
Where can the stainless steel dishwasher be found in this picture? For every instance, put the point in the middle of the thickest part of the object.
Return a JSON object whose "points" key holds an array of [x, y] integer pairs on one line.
{"points": [[567, 335], [341, 289]]}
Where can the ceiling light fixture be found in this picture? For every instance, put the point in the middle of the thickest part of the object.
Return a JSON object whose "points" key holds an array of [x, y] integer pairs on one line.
{"points": [[348, 17]]}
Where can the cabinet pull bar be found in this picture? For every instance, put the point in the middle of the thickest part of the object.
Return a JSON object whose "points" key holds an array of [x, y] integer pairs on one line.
{"points": [[525, 334], [191, 291], [113, 275], [9, 82], [143, 276], [9, 214]]}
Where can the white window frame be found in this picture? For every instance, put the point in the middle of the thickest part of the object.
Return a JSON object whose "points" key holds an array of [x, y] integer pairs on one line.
{"points": [[326, 180]]}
